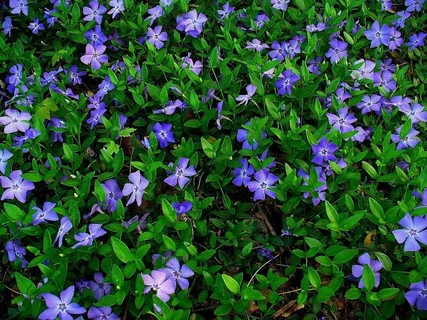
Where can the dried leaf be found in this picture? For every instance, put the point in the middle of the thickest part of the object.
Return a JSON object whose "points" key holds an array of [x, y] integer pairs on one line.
{"points": [[288, 309]]}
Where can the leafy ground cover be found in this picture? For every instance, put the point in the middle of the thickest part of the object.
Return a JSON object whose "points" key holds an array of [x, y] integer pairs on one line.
{"points": [[180, 159]]}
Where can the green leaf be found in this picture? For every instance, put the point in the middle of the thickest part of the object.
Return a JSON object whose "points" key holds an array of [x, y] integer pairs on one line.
{"points": [[247, 249], [206, 255], [68, 154], [314, 278], [32, 176], [345, 256], [121, 250], [368, 277], [13, 212], [231, 284], [370, 169], [168, 211], [388, 293], [353, 294], [193, 123], [377, 210], [169, 243], [213, 58], [385, 260], [223, 310], [25, 285], [331, 212]]}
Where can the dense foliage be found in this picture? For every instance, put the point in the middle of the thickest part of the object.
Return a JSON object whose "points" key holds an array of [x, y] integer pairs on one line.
{"points": [[180, 159]]}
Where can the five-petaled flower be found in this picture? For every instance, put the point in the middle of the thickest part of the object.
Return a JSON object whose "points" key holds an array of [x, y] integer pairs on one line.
{"points": [[94, 56], [263, 184], [160, 283], [136, 188], [61, 306], [181, 174], [357, 270], [413, 233], [417, 295], [15, 187]]}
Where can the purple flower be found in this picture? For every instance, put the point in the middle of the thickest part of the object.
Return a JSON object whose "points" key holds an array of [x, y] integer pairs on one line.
{"points": [[410, 140], [226, 11], [286, 81], [242, 176], [112, 194], [370, 103], [415, 112], [29, 134], [156, 37], [95, 36], [99, 287], [19, 6], [50, 78], [61, 307], [280, 4], [337, 50], [15, 250], [164, 257], [192, 23], [386, 5], [166, 3], [65, 226], [417, 295], [256, 45], [160, 283], [95, 12], [243, 136], [117, 6], [136, 188], [385, 80], [7, 26], [316, 28], [262, 185], [15, 186], [313, 65], [327, 168], [245, 98], [278, 52], [400, 23], [35, 26], [47, 214], [320, 194], [395, 39], [96, 116], [15, 75], [164, 134], [75, 75], [142, 222], [365, 71], [15, 121], [155, 13], [265, 252], [196, 67], [414, 5], [181, 174], [378, 34], [105, 87], [183, 207], [86, 239], [171, 107], [343, 121], [292, 48], [260, 20], [56, 123], [324, 152], [101, 313], [178, 273], [94, 56], [416, 41], [50, 19], [357, 270], [413, 233], [4, 156]]}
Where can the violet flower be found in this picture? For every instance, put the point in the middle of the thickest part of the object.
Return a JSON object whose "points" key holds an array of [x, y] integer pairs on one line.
{"points": [[242, 175], [15, 121], [7, 26], [395, 39], [370, 103], [256, 45], [196, 67], [182, 208], [86, 239], [192, 23], [112, 193], [65, 226], [101, 313], [164, 134], [343, 121], [94, 56], [56, 136], [337, 50], [19, 6], [142, 222], [400, 23], [263, 184], [280, 4], [415, 112], [155, 13], [95, 11], [324, 152], [156, 37], [96, 116], [15, 186], [75, 75], [286, 81], [265, 252], [96, 36], [244, 99], [171, 107], [5, 155], [136, 188], [361, 134], [45, 214], [50, 19], [378, 34], [314, 65], [243, 136], [278, 52], [36, 26], [357, 270], [15, 250], [413, 233], [260, 20], [104, 87], [385, 80], [61, 307], [414, 5], [179, 273], [411, 139], [117, 6], [99, 287], [160, 283], [29, 134], [416, 40], [417, 295], [226, 11], [181, 174]]}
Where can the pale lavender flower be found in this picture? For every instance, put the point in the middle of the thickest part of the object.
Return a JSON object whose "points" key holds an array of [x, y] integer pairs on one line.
{"points": [[45, 214], [395, 40], [19, 6], [86, 239], [226, 11], [179, 273], [181, 174], [61, 307], [99, 287], [155, 13], [417, 295], [385, 80], [156, 37], [5, 155], [142, 222], [94, 56], [101, 313], [357, 270], [64, 227], [95, 11], [414, 5], [280, 4], [337, 50], [250, 92], [386, 5], [316, 28], [365, 71], [136, 188], [256, 45], [15, 186], [112, 194], [160, 283], [15, 121], [415, 112], [370, 103], [171, 107], [260, 20], [15, 250], [263, 184], [117, 6], [192, 23], [411, 139], [196, 67]]}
